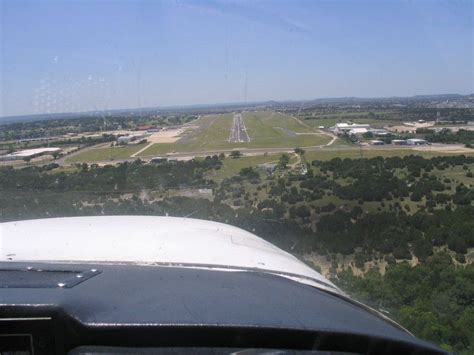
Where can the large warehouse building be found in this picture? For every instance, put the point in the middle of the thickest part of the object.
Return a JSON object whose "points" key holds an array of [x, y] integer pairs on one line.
{"points": [[29, 154], [341, 128]]}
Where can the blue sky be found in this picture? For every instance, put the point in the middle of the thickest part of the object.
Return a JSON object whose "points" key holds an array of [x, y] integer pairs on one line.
{"points": [[63, 56]]}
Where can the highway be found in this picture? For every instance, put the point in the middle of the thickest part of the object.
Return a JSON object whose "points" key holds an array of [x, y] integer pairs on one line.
{"points": [[238, 132]]}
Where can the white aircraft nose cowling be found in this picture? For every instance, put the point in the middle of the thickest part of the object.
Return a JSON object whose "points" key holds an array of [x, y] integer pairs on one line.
{"points": [[150, 240]]}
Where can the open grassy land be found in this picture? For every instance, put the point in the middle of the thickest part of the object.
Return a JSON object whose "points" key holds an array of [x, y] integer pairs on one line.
{"points": [[271, 129], [326, 154], [102, 154], [266, 130]]}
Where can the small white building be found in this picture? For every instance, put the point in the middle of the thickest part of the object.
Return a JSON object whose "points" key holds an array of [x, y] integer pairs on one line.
{"points": [[205, 191], [303, 169], [399, 142], [124, 140], [267, 167], [376, 142], [416, 141], [379, 132]]}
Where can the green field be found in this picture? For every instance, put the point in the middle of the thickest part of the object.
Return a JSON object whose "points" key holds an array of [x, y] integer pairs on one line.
{"points": [[271, 129], [326, 154], [103, 154], [266, 130]]}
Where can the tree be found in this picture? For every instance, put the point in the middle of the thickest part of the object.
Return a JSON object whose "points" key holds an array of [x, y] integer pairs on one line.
{"points": [[457, 244], [422, 249], [235, 154], [401, 252], [303, 211], [359, 259], [284, 160], [249, 173], [299, 151]]}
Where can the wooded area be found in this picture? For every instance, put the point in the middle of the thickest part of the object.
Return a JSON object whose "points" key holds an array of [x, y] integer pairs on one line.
{"points": [[411, 215]]}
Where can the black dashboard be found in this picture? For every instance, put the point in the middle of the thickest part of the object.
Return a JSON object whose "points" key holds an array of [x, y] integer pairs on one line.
{"points": [[98, 309]]}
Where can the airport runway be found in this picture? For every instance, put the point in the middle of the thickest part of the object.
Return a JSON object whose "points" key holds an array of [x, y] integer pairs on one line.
{"points": [[238, 132]]}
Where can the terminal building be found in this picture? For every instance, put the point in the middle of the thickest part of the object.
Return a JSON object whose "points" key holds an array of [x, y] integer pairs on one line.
{"points": [[342, 128], [358, 131]]}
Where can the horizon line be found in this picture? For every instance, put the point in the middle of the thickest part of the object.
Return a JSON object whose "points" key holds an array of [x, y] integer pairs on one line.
{"points": [[242, 103]]}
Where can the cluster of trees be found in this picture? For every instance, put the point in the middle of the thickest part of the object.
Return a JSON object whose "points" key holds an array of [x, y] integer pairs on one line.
{"points": [[337, 230], [447, 136], [413, 111], [375, 179], [235, 154], [413, 163], [395, 233], [104, 138], [419, 112], [250, 174], [61, 126], [434, 300], [392, 232], [124, 177]]}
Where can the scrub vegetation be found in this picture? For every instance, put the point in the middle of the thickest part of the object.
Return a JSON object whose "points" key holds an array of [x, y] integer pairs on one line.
{"points": [[396, 232]]}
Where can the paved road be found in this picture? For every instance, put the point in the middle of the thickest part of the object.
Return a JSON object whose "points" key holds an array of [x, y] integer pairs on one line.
{"points": [[238, 132]]}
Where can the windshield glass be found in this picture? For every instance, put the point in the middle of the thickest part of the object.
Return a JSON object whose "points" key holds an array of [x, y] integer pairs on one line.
{"points": [[340, 131]]}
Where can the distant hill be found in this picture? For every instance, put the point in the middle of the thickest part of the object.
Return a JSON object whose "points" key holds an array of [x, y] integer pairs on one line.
{"points": [[212, 108]]}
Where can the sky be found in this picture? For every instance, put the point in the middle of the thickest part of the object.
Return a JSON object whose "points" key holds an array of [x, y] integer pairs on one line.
{"points": [[72, 56]]}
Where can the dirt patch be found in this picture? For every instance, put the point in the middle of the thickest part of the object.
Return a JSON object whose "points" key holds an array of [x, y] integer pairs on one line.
{"points": [[402, 129], [445, 148], [166, 136]]}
